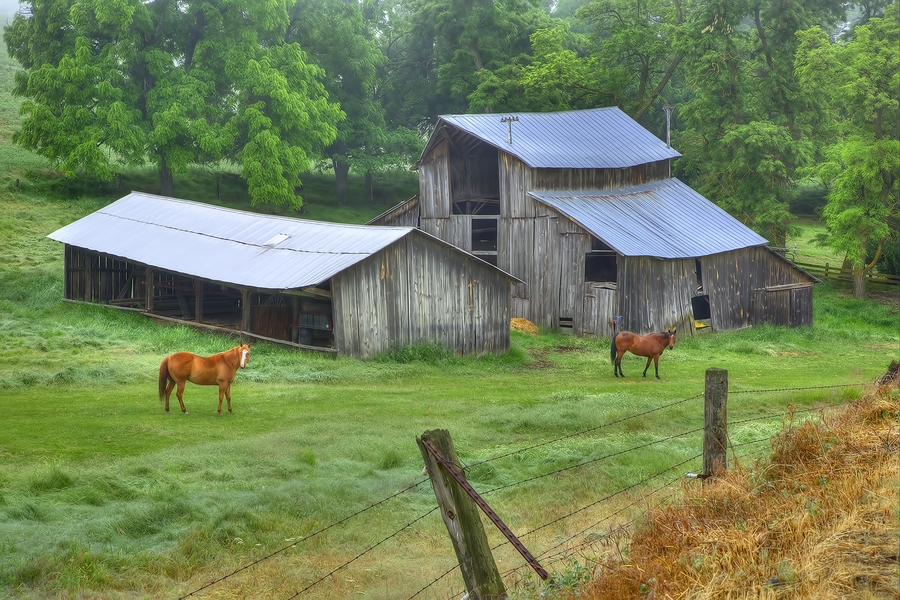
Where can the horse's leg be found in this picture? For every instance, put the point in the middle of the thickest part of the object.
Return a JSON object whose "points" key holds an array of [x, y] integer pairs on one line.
{"points": [[223, 387], [180, 392], [228, 397], [648, 365], [656, 365], [619, 356], [169, 387]]}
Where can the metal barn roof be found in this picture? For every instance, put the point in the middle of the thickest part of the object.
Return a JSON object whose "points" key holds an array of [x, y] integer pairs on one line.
{"points": [[226, 245], [597, 138], [664, 219]]}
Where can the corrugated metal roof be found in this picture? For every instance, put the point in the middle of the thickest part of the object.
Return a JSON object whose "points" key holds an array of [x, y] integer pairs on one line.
{"points": [[597, 138], [665, 219], [226, 245]]}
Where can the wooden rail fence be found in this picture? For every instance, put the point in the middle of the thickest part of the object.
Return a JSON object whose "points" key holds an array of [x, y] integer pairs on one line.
{"points": [[831, 273]]}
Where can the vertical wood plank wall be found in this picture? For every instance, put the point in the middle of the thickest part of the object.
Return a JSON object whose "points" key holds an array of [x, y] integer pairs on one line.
{"points": [[420, 290], [655, 294], [434, 183], [732, 279]]}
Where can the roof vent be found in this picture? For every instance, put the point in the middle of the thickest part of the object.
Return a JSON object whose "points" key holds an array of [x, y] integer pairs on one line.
{"points": [[277, 239]]}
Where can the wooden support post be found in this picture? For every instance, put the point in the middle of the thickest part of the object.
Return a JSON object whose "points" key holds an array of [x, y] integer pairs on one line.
{"points": [[460, 514], [245, 310], [715, 430], [198, 300], [149, 276]]}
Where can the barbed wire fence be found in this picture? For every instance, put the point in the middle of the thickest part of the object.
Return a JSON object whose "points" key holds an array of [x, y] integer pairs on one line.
{"points": [[585, 537]]}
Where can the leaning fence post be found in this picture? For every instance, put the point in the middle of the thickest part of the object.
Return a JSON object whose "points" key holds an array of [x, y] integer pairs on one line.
{"points": [[715, 429], [463, 521]]}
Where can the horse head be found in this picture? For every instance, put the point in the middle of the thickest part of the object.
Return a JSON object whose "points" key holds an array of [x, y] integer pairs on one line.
{"points": [[670, 338], [245, 354]]}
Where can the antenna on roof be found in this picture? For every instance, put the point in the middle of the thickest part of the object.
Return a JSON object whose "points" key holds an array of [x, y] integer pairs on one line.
{"points": [[668, 108], [509, 121]]}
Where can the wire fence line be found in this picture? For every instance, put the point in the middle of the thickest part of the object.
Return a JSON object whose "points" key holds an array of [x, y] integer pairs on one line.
{"points": [[363, 553], [585, 431], [555, 472]]}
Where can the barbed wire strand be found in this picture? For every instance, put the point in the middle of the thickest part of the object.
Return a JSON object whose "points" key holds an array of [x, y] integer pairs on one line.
{"points": [[584, 431], [794, 389], [593, 460], [312, 535], [613, 514], [363, 553], [646, 479]]}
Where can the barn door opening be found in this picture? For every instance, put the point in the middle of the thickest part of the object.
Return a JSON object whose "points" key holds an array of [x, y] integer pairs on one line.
{"points": [[484, 239]]}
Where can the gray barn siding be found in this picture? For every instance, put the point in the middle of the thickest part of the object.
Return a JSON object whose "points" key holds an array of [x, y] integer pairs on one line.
{"points": [[600, 305], [515, 253], [514, 181], [420, 290], [732, 279], [456, 230], [434, 185], [655, 294], [405, 214]]}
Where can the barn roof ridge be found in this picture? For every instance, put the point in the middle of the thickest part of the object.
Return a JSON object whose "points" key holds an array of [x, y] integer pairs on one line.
{"points": [[594, 138]]}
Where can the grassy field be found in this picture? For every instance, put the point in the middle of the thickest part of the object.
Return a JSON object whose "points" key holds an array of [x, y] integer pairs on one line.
{"points": [[104, 495]]}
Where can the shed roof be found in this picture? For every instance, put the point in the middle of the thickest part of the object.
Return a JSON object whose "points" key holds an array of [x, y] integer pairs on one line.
{"points": [[597, 138], [227, 245], [664, 219]]}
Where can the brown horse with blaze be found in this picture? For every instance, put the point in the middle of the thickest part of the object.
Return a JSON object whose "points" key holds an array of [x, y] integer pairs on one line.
{"points": [[651, 345], [218, 369]]}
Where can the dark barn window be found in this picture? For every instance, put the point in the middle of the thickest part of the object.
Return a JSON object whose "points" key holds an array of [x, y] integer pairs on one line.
{"points": [[600, 264]]}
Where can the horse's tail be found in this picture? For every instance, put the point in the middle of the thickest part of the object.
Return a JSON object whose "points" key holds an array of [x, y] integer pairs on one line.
{"points": [[163, 378], [612, 348]]}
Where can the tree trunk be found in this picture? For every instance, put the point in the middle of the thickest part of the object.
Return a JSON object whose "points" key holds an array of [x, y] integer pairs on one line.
{"points": [[859, 281], [166, 180]]}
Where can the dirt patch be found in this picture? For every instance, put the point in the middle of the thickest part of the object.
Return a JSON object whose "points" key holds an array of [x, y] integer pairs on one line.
{"points": [[539, 361], [567, 349]]}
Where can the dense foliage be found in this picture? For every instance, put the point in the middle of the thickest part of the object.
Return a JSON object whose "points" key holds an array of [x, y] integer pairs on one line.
{"points": [[761, 95]]}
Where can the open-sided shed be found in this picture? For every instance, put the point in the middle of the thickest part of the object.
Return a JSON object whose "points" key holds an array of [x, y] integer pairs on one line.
{"points": [[581, 206], [353, 289]]}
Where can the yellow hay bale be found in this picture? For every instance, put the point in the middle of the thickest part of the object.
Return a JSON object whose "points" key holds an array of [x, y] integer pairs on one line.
{"points": [[523, 325]]}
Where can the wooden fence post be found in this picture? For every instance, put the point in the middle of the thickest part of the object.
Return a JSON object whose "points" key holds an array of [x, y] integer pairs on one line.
{"points": [[715, 429], [461, 516]]}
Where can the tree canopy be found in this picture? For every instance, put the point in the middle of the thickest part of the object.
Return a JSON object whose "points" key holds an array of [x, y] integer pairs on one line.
{"points": [[173, 83]]}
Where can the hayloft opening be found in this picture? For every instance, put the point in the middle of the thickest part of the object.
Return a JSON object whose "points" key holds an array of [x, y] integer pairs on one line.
{"points": [[601, 263]]}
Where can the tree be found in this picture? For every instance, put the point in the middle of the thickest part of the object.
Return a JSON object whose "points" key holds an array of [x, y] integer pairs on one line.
{"points": [[861, 81], [176, 83], [336, 38], [745, 129]]}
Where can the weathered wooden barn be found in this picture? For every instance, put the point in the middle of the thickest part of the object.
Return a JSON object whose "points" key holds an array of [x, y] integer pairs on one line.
{"points": [[352, 289], [581, 206]]}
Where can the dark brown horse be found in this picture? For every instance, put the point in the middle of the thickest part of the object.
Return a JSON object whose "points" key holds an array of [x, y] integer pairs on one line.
{"points": [[218, 369], [651, 345]]}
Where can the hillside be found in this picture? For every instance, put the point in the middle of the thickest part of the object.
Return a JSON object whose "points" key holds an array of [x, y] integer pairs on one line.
{"points": [[818, 518]]}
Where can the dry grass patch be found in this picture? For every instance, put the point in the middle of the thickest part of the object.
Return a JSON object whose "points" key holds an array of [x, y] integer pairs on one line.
{"points": [[818, 518]]}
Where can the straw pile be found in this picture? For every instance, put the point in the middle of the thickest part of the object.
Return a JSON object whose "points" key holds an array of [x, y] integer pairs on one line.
{"points": [[523, 325], [819, 518]]}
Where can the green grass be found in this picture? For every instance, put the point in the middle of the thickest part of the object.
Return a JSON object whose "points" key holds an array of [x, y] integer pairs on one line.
{"points": [[102, 494], [807, 250]]}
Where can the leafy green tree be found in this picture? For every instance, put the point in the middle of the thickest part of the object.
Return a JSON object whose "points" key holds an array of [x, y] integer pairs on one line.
{"points": [[336, 37], [175, 83], [745, 129], [861, 81]]}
